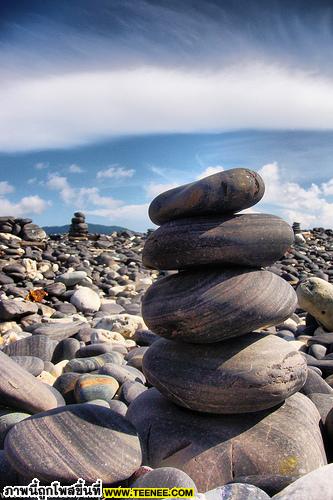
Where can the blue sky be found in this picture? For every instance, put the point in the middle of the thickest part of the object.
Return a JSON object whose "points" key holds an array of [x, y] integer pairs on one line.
{"points": [[104, 104]]}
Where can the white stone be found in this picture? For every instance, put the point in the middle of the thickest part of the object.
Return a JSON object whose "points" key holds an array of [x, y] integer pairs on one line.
{"points": [[44, 267], [86, 300], [30, 268], [126, 324], [9, 325], [10, 237], [99, 335]]}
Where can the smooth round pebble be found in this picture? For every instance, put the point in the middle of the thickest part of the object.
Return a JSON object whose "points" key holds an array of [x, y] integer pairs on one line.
{"points": [[89, 387], [85, 441], [237, 491], [86, 300]]}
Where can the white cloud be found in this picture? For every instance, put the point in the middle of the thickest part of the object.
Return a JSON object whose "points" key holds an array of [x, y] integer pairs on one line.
{"points": [[41, 166], [210, 171], [32, 180], [91, 200], [78, 108], [154, 188], [115, 172], [327, 187], [75, 169], [5, 188], [28, 205], [293, 202], [57, 182], [130, 216]]}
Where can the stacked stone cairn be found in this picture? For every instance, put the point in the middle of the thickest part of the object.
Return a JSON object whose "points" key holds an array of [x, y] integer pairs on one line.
{"points": [[22, 228], [78, 227], [297, 228], [225, 404]]}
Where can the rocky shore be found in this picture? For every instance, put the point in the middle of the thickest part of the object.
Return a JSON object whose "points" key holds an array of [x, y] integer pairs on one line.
{"points": [[235, 394]]}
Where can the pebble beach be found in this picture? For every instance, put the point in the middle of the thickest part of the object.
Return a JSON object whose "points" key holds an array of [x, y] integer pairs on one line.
{"points": [[199, 354]]}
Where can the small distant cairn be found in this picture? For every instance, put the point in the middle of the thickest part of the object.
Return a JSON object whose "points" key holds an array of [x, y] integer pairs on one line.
{"points": [[297, 228], [299, 238], [78, 227]]}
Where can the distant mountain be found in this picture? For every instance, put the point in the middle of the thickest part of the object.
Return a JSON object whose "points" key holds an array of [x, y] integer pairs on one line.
{"points": [[93, 228]]}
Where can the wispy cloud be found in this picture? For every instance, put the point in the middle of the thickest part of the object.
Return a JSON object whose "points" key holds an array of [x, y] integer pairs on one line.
{"points": [[115, 172]]}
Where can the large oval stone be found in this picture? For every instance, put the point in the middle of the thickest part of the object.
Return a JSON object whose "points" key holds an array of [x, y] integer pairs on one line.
{"points": [[203, 306], [20, 389], [225, 192], [85, 441], [247, 374], [252, 240], [216, 449]]}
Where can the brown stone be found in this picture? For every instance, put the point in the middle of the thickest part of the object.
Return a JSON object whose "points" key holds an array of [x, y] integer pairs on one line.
{"points": [[246, 374], [215, 449]]}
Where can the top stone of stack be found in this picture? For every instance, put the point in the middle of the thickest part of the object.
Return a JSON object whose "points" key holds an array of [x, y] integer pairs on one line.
{"points": [[199, 226], [226, 192]]}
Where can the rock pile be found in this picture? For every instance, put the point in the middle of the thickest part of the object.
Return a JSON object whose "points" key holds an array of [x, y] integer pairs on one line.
{"points": [[78, 227], [22, 228], [69, 321], [227, 404], [311, 255]]}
